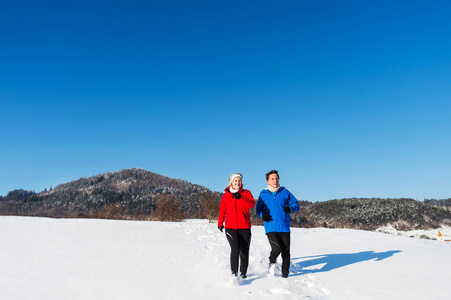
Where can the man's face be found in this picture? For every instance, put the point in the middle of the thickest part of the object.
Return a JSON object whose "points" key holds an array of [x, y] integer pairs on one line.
{"points": [[273, 180]]}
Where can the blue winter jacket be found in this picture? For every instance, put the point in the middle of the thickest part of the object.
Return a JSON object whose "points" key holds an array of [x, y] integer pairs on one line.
{"points": [[273, 204]]}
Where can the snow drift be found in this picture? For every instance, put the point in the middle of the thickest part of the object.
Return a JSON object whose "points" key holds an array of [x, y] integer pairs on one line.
{"points": [[103, 259]]}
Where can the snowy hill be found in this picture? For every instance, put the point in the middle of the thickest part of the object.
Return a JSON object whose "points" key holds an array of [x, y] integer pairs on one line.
{"points": [[128, 194], [103, 259]]}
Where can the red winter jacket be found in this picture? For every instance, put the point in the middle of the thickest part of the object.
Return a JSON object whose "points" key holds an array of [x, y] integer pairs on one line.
{"points": [[234, 211]]}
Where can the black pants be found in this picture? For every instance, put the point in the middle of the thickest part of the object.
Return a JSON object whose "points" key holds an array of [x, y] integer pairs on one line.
{"points": [[280, 243], [240, 241]]}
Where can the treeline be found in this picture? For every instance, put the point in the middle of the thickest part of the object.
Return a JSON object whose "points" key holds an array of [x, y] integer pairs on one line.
{"points": [[371, 213], [441, 202], [134, 194], [137, 194]]}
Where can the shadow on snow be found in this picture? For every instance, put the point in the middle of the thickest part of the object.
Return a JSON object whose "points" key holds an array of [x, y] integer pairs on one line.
{"points": [[334, 261]]}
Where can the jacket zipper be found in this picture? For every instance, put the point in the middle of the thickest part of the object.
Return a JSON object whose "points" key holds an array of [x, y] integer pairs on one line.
{"points": [[236, 213]]}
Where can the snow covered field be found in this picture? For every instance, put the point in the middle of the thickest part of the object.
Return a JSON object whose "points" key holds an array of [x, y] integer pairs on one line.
{"points": [[44, 258]]}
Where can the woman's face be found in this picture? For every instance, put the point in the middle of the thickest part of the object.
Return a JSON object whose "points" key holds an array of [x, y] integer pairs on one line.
{"points": [[237, 183]]}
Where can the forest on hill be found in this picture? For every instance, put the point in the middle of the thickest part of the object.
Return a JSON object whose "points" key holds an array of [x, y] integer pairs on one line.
{"points": [[372, 213], [133, 194], [137, 194]]}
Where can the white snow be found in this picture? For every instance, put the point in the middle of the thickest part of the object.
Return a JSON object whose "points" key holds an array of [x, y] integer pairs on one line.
{"points": [[430, 233], [44, 258]]}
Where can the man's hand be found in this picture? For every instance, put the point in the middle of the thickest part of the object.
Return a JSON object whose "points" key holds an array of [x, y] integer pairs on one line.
{"points": [[266, 217]]}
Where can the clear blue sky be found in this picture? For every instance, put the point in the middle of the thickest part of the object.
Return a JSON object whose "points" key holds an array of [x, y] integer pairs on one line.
{"points": [[344, 98]]}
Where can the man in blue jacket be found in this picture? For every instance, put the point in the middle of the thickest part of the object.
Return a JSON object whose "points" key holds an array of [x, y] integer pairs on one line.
{"points": [[274, 206]]}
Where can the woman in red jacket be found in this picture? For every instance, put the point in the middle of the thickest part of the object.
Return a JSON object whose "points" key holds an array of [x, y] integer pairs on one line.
{"points": [[234, 210]]}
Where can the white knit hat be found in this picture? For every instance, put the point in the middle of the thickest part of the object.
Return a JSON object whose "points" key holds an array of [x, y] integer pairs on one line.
{"points": [[235, 175]]}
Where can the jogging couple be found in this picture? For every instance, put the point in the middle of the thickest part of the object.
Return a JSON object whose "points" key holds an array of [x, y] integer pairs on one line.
{"points": [[274, 206]]}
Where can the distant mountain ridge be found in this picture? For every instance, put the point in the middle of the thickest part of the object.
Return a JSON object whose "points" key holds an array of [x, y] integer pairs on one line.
{"points": [[120, 181], [133, 192], [140, 194], [373, 213]]}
